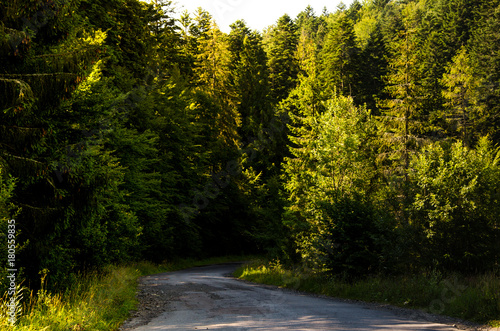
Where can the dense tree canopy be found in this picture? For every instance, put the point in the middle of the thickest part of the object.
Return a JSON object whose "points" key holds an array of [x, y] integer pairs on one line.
{"points": [[358, 141]]}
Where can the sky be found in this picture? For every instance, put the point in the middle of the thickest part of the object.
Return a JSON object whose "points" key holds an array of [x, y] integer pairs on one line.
{"points": [[258, 14]]}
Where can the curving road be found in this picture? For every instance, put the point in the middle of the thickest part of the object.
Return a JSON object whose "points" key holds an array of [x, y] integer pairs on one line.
{"points": [[205, 298]]}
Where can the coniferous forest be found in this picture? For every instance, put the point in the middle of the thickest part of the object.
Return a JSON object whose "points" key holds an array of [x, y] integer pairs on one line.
{"points": [[356, 141]]}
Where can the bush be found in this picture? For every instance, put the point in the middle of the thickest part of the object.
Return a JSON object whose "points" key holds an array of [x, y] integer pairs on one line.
{"points": [[355, 239], [455, 206]]}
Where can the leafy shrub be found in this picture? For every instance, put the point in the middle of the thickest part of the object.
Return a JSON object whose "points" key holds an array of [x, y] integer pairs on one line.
{"points": [[355, 237], [456, 203]]}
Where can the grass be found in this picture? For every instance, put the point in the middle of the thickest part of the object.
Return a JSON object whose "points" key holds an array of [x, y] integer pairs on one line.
{"points": [[99, 301], [475, 299], [96, 302]]}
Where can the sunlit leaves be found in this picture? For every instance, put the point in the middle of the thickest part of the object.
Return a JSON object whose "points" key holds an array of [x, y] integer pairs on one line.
{"points": [[456, 203], [333, 158]]}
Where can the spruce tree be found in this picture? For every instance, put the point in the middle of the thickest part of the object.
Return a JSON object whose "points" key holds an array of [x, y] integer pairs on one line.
{"points": [[372, 71], [460, 86], [401, 120], [213, 73], [283, 68], [401, 111], [249, 80], [339, 58], [53, 142], [485, 59]]}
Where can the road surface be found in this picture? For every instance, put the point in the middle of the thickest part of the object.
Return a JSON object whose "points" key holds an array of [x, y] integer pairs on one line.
{"points": [[205, 298]]}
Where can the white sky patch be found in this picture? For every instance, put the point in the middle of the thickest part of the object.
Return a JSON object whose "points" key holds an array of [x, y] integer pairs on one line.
{"points": [[258, 14]]}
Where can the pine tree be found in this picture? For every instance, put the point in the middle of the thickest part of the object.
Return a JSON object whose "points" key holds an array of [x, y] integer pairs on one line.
{"points": [[402, 109], [460, 86], [306, 99], [486, 63], [401, 120], [308, 21], [188, 45], [458, 19], [432, 60], [213, 72], [281, 46], [374, 68], [367, 24], [166, 41], [339, 58], [249, 80], [443, 28], [48, 143], [193, 31], [202, 24]]}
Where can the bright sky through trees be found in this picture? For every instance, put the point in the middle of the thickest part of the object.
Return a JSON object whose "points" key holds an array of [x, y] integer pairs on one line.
{"points": [[258, 14]]}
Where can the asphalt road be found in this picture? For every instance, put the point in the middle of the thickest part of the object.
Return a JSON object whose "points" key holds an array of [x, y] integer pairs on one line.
{"points": [[205, 298]]}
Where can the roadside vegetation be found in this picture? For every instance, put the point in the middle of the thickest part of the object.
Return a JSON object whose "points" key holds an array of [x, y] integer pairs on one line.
{"points": [[97, 301], [475, 298]]}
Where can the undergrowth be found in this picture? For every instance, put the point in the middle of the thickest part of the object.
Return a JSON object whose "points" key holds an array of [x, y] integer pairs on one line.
{"points": [[98, 301]]}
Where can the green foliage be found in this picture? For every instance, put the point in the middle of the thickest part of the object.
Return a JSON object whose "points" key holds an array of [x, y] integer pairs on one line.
{"points": [[95, 302], [459, 93], [280, 48], [334, 166], [455, 205], [131, 135], [249, 80], [402, 111], [339, 58], [485, 61], [213, 72], [159, 176], [355, 239], [373, 60], [315, 27], [7, 185], [62, 171]]}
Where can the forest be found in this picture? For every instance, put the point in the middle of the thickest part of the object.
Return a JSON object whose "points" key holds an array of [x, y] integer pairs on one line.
{"points": [[360, 140]]}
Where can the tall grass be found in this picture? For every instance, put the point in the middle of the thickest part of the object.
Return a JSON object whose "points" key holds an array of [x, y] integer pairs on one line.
{"points": [[471, 298], [98, 301]]}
